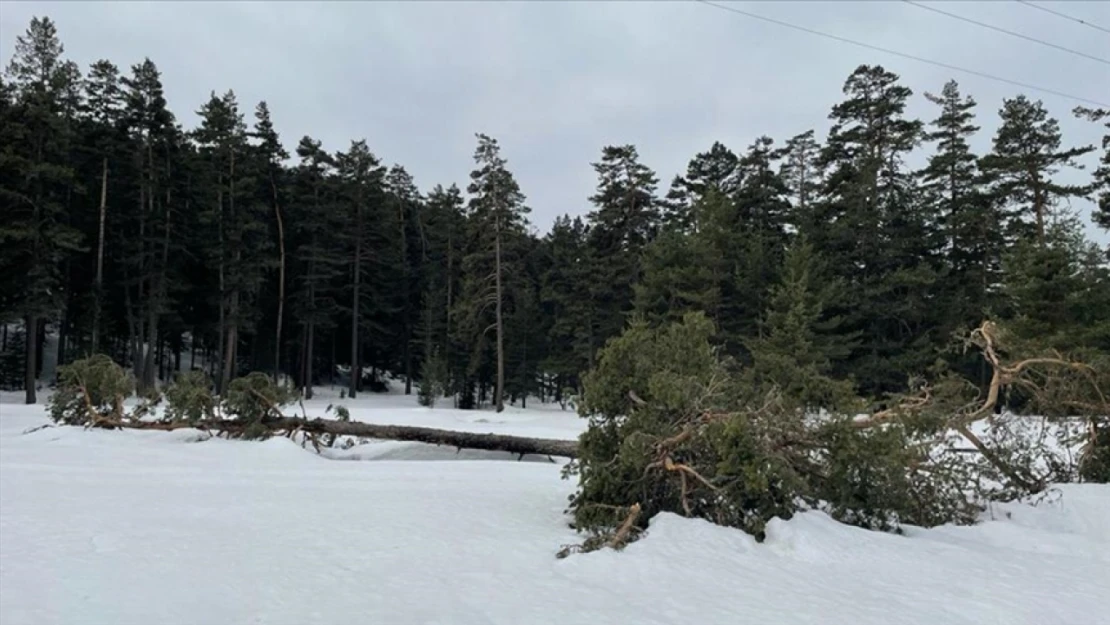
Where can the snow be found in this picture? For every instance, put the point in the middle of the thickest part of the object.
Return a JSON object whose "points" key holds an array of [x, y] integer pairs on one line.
{"points": [[151, 527]]}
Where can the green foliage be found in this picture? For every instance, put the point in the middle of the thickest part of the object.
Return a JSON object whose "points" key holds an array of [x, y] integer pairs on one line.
{"points": [[674, 427], [801, 341], [255, 397], [190, 397], [1057, 289], [433, 380], [89, 391], [379, 273], [872, 478]]}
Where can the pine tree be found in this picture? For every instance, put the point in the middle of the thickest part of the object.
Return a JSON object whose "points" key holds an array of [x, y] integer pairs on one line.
{"points": [[567, 302], [678, 277], [317, 261], [35, 233], [496, 211], [870, 224], [968, 217], [802, 339], [1027, 154], [1058, 289], [106, 138], [1100, 184], [440, 278], [625, 220], [526, 328], [272, 154], [802, 174], [151, 130], [239, 219], [409, 241], [762, 210], [713, 171], [361, 178]]}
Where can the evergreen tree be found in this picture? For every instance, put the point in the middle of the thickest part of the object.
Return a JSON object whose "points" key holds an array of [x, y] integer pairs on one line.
{"points": [[565, 293], [238, 219], [1100, 185], [361, 180], [35, 234], [526, 328], [271, 155], [106, 142], [496, 211], [968, 216], [713, 171], [409, 243], [318, 262], [762, 209], [1058, 289], [679, 276], [625, 220], [816, 263], [1028, 153], [803, 177], [801, 340], [440, 277], [870, 225]]}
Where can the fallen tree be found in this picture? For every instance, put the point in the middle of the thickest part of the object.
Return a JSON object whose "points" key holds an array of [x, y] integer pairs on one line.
{"points": [[675, 426], [92, 390], [313, 428]]}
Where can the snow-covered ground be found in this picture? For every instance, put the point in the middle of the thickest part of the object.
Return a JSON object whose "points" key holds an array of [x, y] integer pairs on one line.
{"points": [[124, 528]]}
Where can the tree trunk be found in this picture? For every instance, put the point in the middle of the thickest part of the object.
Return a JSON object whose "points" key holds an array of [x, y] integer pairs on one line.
{"points": [[499, 398], [229, 346], [178, 347], [308, 368], [138, 355], [31, 349], [63, 338], [406, 294], [356, 372], [281, 280], [98, 301], [519, 445], [233, 307], [40, 348]]}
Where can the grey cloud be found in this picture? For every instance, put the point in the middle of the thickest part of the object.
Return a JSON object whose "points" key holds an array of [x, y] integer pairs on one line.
{"points": [[555, 81]]}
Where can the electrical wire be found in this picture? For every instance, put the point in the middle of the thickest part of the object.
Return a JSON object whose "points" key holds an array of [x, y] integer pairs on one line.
{"points": [[1064, 15], [1007, 32], [902, 54]]}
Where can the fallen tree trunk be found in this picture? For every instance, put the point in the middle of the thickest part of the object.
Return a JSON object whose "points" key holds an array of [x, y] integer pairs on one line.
{"points": [[520, 445]]}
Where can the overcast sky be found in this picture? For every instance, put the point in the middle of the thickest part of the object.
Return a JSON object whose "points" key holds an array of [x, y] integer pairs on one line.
{"points": [[556, 81]]}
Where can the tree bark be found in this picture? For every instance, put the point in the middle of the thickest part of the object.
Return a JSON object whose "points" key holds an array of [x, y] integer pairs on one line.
{"points": [[356, 371], [31, 349], [499, 399], [281, 279], [216, 367], [463, 440], [233, 308], [308, 368], [98, 302]]}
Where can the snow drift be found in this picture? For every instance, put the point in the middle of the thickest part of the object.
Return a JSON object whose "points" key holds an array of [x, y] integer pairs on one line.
{"points": [[128, 527]]}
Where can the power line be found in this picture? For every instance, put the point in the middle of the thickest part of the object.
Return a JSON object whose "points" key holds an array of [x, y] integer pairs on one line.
{"points": [[1064, 15], [1007, 32], [901, 54]]}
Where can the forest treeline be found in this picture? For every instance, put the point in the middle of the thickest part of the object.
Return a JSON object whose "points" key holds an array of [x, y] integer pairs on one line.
{"points": [[127, 234]]}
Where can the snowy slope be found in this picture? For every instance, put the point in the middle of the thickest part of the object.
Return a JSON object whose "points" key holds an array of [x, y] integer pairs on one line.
{"points": [[124, 528]]}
